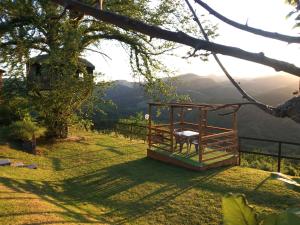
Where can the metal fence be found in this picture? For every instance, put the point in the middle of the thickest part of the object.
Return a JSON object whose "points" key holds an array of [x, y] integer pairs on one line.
{"points": [[279, 156], [136, 131]]}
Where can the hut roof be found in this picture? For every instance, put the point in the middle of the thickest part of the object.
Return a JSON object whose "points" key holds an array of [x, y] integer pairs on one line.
{"points": [[40, 58]]}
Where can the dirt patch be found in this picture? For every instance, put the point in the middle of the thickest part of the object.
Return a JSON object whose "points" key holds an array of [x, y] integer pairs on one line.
{"points": [[74, 138]]}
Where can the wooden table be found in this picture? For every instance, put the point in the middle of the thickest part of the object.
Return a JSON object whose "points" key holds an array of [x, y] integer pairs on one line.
{"points": [[188, 134]]}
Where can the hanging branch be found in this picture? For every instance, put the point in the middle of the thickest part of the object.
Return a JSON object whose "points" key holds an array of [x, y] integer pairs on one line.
{"points": [[290, 108], [273, 35], [104, 55], [235, 84], [180, 37]]}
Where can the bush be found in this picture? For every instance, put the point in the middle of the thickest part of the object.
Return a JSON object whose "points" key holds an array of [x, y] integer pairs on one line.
{"points": [[14, 109], [24, 130]]}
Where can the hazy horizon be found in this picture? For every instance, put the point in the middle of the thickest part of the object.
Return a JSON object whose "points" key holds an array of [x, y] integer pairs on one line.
{"points": [[219, 77]]}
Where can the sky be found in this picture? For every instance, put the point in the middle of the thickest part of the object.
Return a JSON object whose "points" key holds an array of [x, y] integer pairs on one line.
{"points": [[269, 15]]}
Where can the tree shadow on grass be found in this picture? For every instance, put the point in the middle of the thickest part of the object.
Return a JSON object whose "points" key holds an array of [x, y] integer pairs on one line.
{"points": [[104, 187], [91, 157], [116, 188]]}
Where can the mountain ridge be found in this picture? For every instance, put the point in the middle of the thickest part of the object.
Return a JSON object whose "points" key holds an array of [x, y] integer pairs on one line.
{"points": [[273, 90]]}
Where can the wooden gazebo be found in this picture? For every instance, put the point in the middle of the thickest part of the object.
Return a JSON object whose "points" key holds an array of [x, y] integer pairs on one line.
{"points": [[214, 146]]}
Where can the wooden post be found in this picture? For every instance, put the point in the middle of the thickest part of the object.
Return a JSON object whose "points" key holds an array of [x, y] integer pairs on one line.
{"points": [[172, 127], [200, 127], [239, 151], [205, 122], [149, 126], [234, 127], [1, 80], [181, 115], [131, 132], [279, 157]]}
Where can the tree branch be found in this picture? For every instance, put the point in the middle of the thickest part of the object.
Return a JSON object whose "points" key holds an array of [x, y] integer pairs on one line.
{"points": [[127, 23], [273, 35], [290, 108], [11, 24], [99, 52], [245, 95]]}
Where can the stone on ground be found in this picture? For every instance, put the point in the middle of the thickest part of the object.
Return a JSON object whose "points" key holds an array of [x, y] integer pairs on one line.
{"points": [[32, 166], [5, 162]]}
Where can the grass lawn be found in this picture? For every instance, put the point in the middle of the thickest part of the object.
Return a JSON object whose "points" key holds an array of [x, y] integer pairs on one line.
{"points": [[107, 180]]}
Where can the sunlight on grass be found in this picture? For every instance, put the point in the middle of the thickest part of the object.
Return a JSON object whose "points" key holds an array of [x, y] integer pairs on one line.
{"points": [[108, 179]]}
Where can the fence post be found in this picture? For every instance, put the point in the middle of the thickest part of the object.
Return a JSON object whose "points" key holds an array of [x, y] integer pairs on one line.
{"points": [[131, 132], [239, 149], [279, 157], [115, 128]]}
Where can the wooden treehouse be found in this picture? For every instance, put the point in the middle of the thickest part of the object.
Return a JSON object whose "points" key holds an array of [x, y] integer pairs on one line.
{"points": [[1, 78], [192, 145], [38, 78]]}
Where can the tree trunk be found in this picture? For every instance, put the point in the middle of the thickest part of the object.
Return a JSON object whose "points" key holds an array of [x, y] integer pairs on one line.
{"points": [[58, 130], [33, 141]]}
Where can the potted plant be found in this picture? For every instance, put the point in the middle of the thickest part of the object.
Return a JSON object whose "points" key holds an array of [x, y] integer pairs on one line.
{"points": [[25, 131]]}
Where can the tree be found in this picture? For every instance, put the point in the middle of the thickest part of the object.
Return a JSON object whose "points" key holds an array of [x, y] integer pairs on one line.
{"points": [[37, 27], [290, 109]]}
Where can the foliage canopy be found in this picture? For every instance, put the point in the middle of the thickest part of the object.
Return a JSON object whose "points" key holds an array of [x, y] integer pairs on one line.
{"points": [[38, 27]]}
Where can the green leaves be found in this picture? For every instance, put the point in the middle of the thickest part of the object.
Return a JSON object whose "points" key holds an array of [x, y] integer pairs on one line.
{"points": [[237, 211], [24, 130]]}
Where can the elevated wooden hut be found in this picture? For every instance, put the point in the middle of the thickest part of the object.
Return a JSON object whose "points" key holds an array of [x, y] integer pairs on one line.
{"points": [[1, 79], [194, 145], [38, 78]]}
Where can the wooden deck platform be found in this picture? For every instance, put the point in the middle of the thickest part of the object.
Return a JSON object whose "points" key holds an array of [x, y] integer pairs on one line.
{"points": [[189, 162]]}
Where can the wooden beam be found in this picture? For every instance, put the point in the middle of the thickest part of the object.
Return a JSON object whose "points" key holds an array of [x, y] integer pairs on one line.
{"points": [[218, 128], [234, 125], [200, 130], [235, 128], [224, 134], [165, 125], [172, 127], [160, 130], [181, 115], [205, 122], [149, 125]]}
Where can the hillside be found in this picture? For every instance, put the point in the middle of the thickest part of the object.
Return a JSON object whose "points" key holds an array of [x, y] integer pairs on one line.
{"points": [[273, 90], [104, 179]]}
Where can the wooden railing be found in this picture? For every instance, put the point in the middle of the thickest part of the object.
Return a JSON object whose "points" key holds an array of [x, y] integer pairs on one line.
{"points": [[159, 137], [225, 142], [133, 134]]}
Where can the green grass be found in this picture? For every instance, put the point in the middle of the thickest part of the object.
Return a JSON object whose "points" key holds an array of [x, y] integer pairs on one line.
{"points": [[107, 180]]}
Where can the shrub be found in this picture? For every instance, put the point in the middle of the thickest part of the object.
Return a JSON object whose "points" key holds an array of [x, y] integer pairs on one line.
{"points": [[16, 108], [24, 130]]}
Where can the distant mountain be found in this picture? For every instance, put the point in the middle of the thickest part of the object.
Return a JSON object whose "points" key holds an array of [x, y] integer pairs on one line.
{"points": [[129, 99], [124, 83]]}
